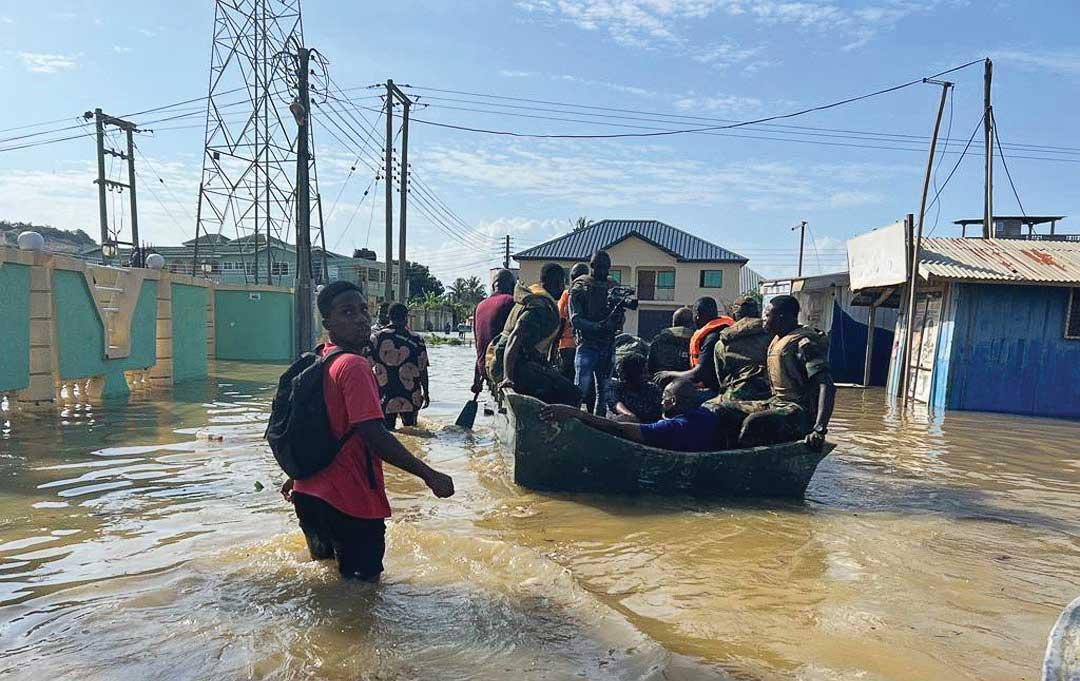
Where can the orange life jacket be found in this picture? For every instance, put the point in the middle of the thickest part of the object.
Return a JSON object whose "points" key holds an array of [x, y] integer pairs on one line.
{"points": [[696, 341]]}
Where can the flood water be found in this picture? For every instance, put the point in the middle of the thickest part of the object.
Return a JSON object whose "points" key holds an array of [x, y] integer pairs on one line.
{"points": [[146, 539]]}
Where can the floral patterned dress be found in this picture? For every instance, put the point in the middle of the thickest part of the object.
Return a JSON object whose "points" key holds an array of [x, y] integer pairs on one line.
{"points": [[400, 358]]}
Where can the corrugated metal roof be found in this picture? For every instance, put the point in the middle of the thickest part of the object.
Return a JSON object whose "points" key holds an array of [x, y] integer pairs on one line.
{"points": [[1051, 262], [580, 245]]}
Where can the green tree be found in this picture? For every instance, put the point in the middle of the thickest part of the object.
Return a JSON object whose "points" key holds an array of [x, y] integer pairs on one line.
{"points": [[466, 292], [581, 223], [421, 281]]}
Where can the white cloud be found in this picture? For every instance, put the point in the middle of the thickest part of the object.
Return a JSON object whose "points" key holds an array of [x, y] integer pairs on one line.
{"points": [[147, 32], [1061, 61], [6, 20], [577, 80], [656, 23], [39, 62], [606, 178], [120, 49], [727, 104]]}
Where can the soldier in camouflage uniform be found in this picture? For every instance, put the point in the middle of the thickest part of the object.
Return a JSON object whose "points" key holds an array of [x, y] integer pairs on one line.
{"points": [[740, 354], [523, 359], [803, 392]]}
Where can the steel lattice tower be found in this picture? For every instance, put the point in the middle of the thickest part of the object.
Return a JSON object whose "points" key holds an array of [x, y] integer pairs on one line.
{"points": [[249, 157]]}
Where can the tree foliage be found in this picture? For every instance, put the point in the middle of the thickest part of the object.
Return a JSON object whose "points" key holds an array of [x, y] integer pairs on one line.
{"points": [[581, 223], [467, 292], [421, 281]]}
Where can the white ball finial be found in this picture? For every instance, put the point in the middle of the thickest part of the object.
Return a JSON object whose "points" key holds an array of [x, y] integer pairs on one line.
{"points": [[31, 241], [155, 261]]}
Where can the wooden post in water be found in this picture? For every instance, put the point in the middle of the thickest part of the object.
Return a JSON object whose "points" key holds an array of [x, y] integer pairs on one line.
{"points": [[916, 243]]}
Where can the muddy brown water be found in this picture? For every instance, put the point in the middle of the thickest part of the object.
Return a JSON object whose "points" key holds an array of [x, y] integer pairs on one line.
{"points": [[134, 544]]}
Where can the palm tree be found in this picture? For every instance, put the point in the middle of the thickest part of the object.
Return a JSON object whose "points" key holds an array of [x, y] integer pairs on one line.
{"points": [[466, 292], [581, 223]]}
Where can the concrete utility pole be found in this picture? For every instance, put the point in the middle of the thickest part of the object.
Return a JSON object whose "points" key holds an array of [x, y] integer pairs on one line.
{"points": [[301, 109], [802, 236], [388, 173], [100, 121], [506, 256], [988, 141], [403, 201], [916, 245]]}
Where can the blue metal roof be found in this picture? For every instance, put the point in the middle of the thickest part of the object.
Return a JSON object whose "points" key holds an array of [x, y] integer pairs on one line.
{"points": [[580, 245]]}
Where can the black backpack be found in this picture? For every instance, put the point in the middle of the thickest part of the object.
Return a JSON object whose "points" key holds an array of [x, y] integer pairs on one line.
{"points": [[299, 429]]}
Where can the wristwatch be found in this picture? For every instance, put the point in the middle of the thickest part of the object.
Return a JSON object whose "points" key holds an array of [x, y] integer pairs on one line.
{"points": [[821, 430]]}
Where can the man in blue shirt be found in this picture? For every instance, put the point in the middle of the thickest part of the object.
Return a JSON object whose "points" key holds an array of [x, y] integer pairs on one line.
{"points": [[686, 427]]}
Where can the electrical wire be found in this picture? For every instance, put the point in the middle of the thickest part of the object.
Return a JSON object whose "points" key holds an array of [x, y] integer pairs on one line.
{"points": [[958, 162], [660, 133], [997, 139]]}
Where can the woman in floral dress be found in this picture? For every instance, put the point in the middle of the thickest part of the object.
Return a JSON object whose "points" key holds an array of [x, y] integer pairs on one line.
{"points": [[400, 362]]}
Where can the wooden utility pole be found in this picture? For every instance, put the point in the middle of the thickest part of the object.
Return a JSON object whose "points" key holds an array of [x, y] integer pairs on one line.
{"points": [[506, 255], [988, 141], [403, 285], [388, 173], [303, 294], [916, 243], [101, 120], [802, 236]]}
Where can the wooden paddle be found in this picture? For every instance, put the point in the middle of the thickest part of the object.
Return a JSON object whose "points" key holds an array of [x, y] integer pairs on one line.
{"points": [[467, 417]]}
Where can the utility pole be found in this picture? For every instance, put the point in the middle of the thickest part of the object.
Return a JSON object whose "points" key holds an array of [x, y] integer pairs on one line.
{"points": [[388, 173], [916, 244], [301, 109], [101, 120], [506, 255], [802, 236], [403, 201], [988, 142]]}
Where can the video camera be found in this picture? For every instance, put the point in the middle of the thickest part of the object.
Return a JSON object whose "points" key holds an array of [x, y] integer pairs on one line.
{"points": [[622, 298]]}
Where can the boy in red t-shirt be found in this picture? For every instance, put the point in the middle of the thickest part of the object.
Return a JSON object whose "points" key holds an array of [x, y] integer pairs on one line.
{"points": [[342, 507]]}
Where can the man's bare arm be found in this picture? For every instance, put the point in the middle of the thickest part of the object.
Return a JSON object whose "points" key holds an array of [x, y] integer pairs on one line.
{"points": [[389, 449]]}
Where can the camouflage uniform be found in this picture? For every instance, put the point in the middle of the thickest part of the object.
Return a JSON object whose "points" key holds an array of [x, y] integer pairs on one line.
{"points": [[740, 361], [792, 361], [670, 350], [535, 321]]}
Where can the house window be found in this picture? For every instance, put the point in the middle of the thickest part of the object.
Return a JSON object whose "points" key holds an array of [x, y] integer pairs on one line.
{"points": [[279, 269], [228, 265], [711, 279], [176, 267], [1072, 317], [665, 280], [615, 276], [249, 268]]}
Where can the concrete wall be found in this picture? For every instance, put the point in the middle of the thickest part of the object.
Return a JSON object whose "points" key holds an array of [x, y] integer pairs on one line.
{"points": [[631, 255], [15, 329], [75, 330], [189, 331], [242, 315]]}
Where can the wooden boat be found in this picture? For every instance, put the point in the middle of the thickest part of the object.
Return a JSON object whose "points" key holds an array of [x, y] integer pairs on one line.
{"points": [[573, 457]]}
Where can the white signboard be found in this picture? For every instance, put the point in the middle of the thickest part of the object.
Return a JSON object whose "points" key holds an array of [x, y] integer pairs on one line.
{"points": [[878, 258]]}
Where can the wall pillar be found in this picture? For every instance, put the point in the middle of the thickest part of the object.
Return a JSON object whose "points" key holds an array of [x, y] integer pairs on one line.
{"points": [[44, 376], [161, 374], [210, 336]]}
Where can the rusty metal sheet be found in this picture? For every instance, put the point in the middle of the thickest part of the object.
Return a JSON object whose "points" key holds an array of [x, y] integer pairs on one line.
{"points": [[1001, 260]]}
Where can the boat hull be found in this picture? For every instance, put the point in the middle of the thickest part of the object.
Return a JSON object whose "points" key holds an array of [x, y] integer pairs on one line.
{"points": [[573, 457]]}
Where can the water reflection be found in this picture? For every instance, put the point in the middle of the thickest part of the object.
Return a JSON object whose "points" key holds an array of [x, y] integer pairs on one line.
{"points": [[145, 539]]}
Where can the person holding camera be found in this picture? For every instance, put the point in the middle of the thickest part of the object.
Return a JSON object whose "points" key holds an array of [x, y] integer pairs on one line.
{"points": [[596, 320]]}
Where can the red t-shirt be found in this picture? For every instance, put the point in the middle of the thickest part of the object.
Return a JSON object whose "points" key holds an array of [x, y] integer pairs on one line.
{"points": [[351, 397]]}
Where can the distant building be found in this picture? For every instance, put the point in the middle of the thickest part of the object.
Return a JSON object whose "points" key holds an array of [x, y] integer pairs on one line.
{"points": [[667, 267], [996, 323], [244, 261], [827, 302]]}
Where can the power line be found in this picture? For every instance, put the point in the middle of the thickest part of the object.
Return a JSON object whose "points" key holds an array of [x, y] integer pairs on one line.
{"points": [[958, 162], [660, 133], [994, 127]]}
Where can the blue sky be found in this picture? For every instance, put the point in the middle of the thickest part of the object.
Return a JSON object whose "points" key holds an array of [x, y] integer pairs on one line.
{"points": [[725, 59]]}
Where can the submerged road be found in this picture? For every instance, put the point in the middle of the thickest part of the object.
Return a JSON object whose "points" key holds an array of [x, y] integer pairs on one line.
{"points": [[146, 539]]}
